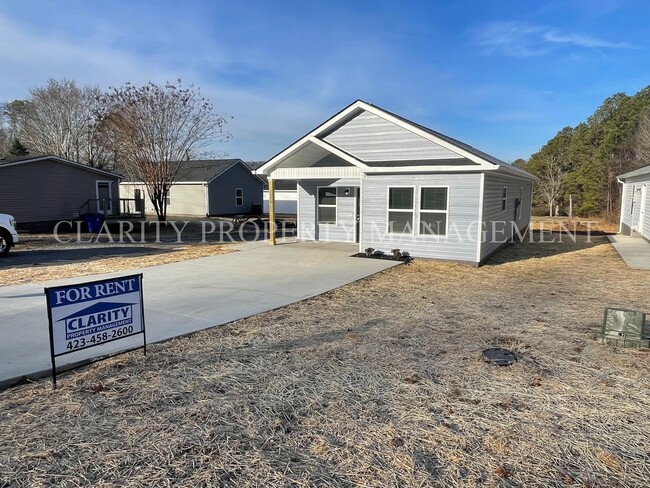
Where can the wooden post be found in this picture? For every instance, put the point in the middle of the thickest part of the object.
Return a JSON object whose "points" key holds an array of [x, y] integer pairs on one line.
{"points": [[271, 212]]}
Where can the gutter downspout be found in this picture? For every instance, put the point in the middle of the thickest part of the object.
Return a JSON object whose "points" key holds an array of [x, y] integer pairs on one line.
{"points": [[620, 218], [271, 212]]}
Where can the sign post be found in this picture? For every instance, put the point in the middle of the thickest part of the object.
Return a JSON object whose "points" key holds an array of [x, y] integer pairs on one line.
{"points": [[90, 314]]}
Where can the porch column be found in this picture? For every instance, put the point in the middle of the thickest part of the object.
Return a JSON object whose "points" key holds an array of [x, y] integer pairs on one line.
{"points": [[271, 212]]}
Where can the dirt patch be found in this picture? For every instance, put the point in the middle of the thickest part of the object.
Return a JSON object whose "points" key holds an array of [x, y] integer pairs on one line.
{"points": [[379, 383]]}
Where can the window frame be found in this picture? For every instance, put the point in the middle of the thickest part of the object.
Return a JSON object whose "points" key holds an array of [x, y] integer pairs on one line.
{"points": [[521, 202], [632, 200], [168, 195], [504, 198], [389, 210], [335, 206], [239, 197], [446, 211]]}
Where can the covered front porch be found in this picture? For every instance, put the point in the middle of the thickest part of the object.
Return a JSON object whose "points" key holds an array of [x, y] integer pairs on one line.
{"points": [[329, 193]]}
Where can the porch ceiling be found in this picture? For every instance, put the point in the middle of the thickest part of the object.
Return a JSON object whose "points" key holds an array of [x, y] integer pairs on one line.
{"points": [[305, 156]]}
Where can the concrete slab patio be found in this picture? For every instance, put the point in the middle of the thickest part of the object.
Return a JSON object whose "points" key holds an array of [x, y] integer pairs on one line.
{"points": [[635, 251], [185, 297]]}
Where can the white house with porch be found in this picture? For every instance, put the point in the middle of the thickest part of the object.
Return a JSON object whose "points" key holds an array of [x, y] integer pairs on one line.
{"points": [[372, 177]]}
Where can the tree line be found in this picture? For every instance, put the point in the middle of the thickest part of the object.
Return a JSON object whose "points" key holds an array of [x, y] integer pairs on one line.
{"points": [[146, 131], [577, 168]]}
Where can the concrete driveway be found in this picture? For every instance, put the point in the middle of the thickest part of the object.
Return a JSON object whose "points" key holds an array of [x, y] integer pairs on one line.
{"points": [[185, 297]]}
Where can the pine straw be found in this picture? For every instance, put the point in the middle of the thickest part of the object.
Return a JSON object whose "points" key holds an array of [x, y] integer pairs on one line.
{"points": [[150, 256], [379, 383]]}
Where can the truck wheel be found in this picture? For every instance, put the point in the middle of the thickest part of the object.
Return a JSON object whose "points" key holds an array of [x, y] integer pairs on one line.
{"points": [[5, 242]]}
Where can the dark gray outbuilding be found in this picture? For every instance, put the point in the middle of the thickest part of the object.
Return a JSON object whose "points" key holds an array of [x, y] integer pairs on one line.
{"points": [[48, 189]]}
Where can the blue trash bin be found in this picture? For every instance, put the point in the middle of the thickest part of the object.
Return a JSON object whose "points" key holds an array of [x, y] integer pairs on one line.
{"points": [[94, 222]]}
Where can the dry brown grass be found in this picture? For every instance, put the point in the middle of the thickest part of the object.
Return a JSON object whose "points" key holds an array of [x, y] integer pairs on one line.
{"points": [[565, 224], [379, 383]]}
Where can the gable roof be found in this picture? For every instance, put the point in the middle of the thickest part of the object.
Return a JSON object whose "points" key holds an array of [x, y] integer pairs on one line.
{"points": [[637, 172], [8, 162], [206, 170], [469, 158]]}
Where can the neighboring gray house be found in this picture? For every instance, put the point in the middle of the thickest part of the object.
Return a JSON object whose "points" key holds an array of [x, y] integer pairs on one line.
{"points": [[47, 189], [369, 176], [635, 202], [207, 188]]}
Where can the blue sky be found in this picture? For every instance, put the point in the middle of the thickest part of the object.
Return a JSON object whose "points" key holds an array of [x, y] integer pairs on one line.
{"points": [[504, 76]]}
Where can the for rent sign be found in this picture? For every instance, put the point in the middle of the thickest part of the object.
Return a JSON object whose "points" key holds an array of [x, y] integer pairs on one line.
{"points": [[89, 314]]}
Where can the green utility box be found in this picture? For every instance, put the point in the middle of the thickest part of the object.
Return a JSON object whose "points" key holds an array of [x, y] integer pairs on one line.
{"points": [[625, 328]]}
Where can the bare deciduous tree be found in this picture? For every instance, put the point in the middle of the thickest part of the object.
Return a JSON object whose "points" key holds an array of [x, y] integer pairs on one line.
{"points": [[551, 178], [59, 119], [153, 129]]}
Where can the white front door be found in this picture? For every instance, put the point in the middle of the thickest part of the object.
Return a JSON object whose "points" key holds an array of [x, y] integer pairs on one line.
{"points": [[105, 197], [644, 196]]}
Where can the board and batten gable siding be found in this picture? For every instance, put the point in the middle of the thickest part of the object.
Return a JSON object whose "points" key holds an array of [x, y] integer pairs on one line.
{"points": [[496, 230], [461, 241], [221, 191], [48, 190], [372, 138], [308, 227]]}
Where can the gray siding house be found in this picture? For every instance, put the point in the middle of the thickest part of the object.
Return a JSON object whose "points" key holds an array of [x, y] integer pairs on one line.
{"points": [[635, 203], [47, 189], [207, 188], [371, 177]]}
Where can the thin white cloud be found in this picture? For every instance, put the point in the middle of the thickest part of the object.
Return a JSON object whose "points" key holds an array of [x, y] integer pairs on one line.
{"points": [[523, 39], [584, 41]]}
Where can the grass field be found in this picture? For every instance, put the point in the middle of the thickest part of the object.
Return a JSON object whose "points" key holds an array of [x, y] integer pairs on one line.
{"points": [[378, 383]]}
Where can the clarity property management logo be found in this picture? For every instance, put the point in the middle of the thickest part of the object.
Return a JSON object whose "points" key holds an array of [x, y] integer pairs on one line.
{"points": [[97, 318]]}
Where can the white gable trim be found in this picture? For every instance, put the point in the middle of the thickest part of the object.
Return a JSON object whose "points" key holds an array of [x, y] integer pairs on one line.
{"points": [[278, 158], [338, 152], [314, 137]]}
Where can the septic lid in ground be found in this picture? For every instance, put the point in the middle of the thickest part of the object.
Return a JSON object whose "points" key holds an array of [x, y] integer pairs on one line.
{"points": [[499, 356]]}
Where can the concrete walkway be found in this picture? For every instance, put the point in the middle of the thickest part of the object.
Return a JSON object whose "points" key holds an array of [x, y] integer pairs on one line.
{"points": [[186, 297], [635, 251]]}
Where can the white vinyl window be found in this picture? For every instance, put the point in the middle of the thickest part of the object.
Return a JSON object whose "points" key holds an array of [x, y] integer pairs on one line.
{"points": [[632, 200], [521, 201], [239, 197], [504, 198], [327, 205], [434, 209], [400, 210], [168, 195]]}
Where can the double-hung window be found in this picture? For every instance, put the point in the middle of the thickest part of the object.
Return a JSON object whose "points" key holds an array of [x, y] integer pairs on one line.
{"points": [[434, 210], [239, 197], [504, 198], [400, 210], [327, 205]]}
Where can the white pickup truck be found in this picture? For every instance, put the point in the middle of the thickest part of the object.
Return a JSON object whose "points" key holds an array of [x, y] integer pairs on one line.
{"points": [[8, 233]]}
